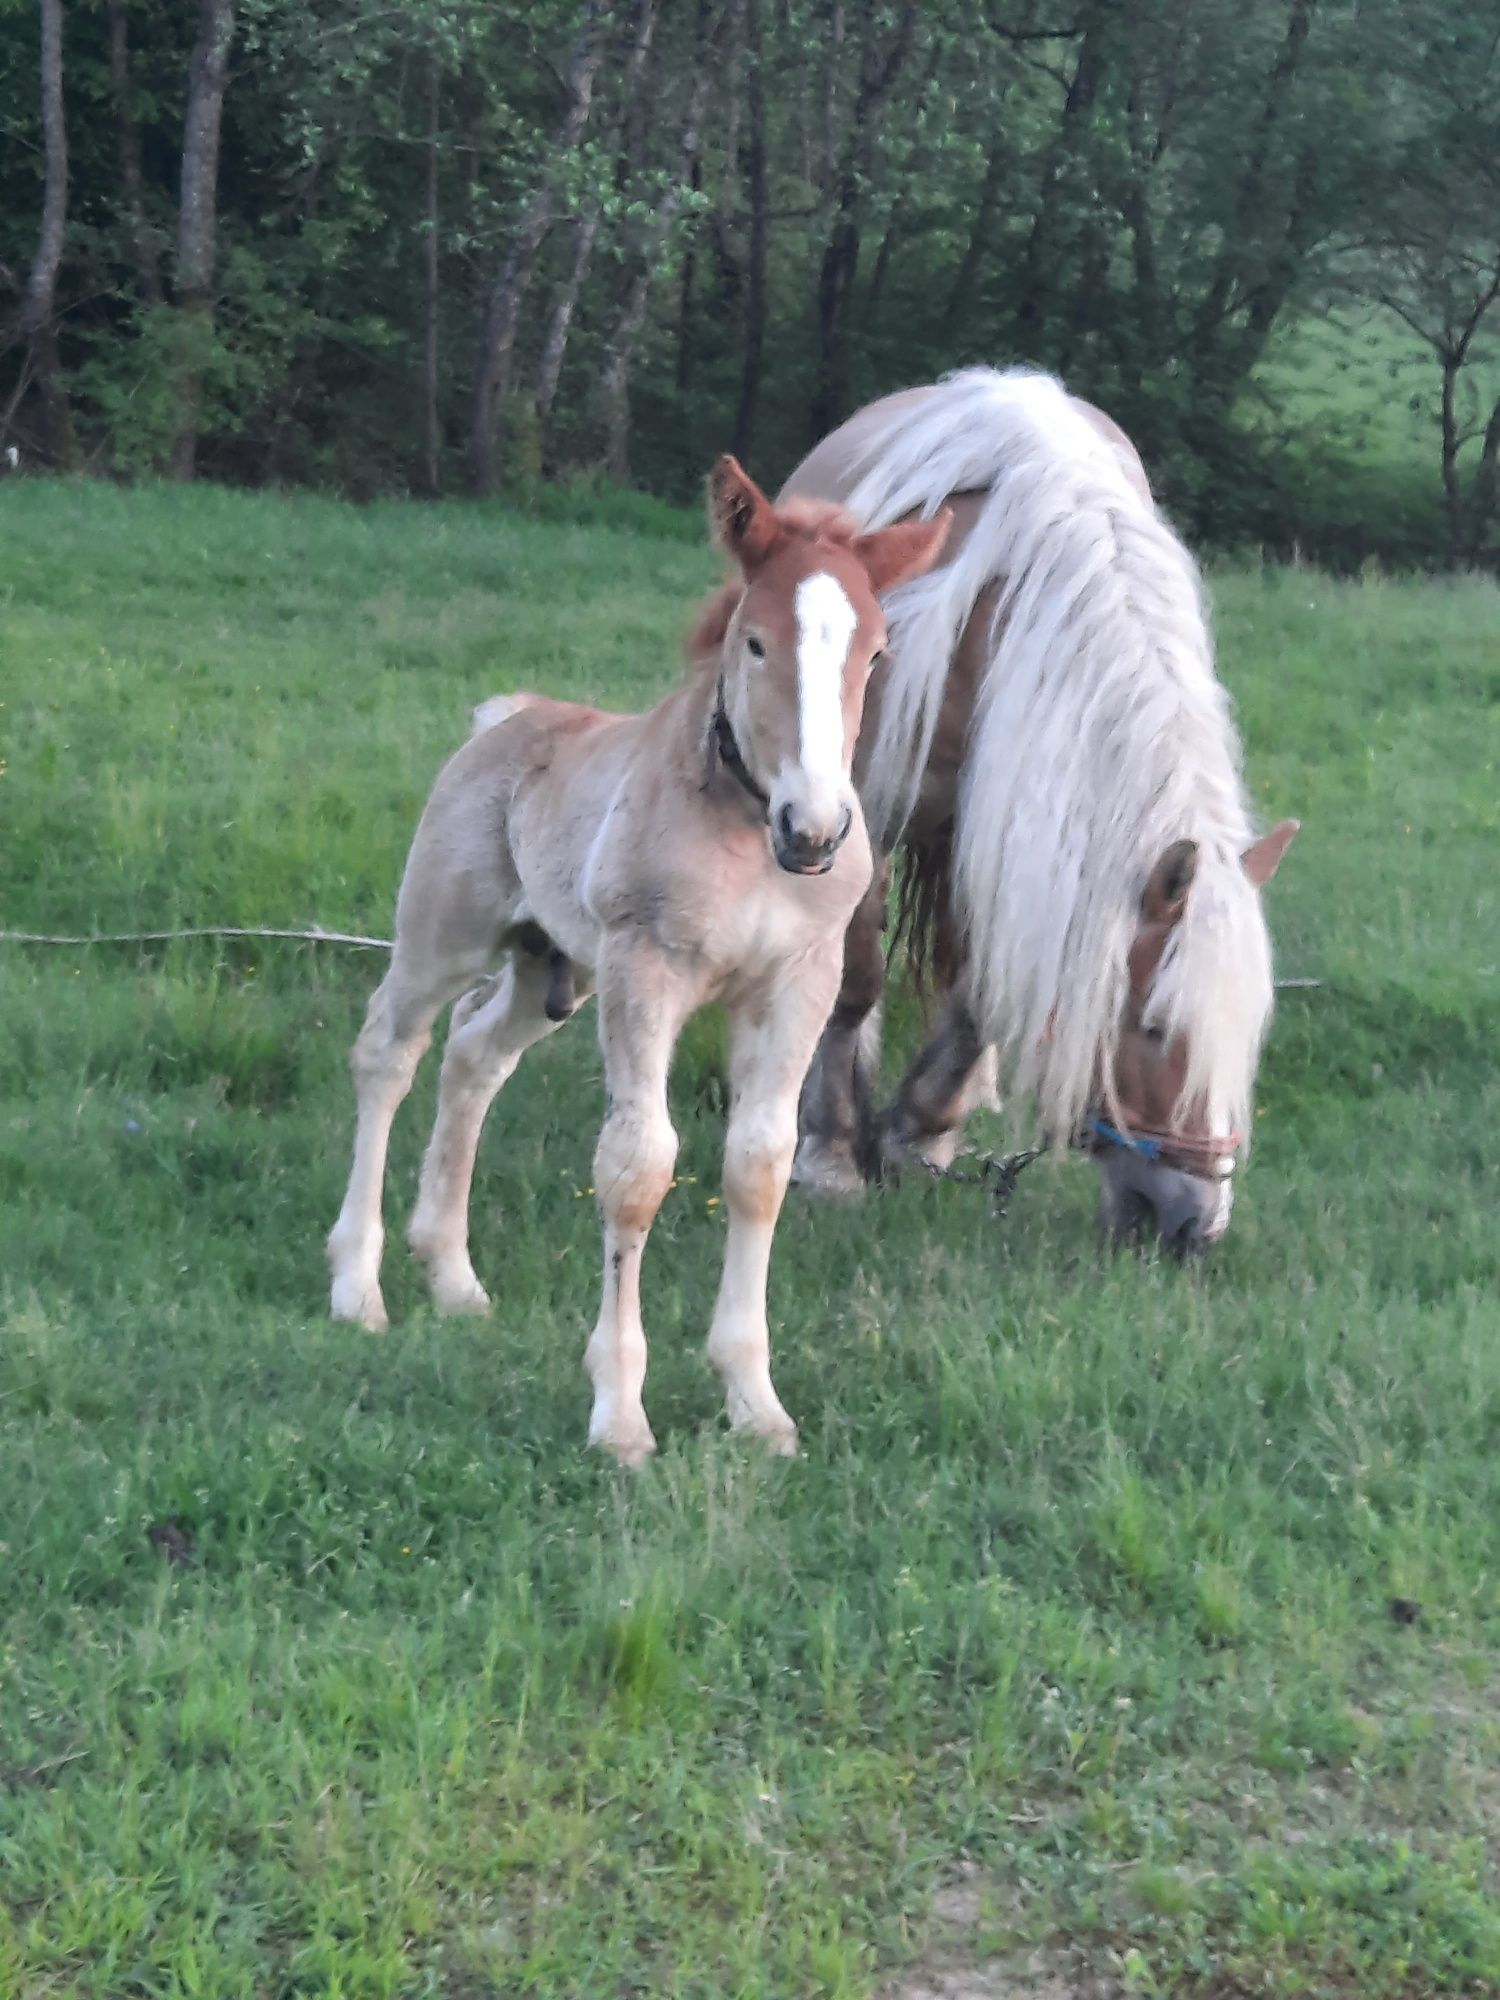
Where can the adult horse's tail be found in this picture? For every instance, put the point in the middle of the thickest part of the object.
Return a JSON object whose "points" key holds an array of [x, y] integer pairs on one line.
{"points": [[1100, 736]]}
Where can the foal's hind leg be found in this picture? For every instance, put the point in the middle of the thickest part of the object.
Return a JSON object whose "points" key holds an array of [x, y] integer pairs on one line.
{"points": [[393, 1040], [835, 1115], [491, 1029]]}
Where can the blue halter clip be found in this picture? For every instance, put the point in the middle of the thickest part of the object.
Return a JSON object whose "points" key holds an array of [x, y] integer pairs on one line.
{"points": [[1148, 1149]]}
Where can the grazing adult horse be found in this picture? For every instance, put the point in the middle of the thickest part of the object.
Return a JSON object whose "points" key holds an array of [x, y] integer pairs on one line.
{"points": [[1048, 743], [711, 849]]}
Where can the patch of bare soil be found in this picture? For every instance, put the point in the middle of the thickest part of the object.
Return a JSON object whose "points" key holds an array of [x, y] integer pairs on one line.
{"points": [[957, 1969], [1031, 1975]]}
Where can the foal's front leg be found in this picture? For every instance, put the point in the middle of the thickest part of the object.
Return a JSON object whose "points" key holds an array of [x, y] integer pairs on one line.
{"points": [[835, 1116], [770, 1047], [643, 1001]]}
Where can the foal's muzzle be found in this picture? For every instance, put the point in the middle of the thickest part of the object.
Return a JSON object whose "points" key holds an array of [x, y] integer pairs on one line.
{"points": [[800, 853]]}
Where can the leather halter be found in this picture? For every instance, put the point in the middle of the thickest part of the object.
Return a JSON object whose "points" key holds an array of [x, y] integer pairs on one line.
{"points": [[1205, 1159], [723, 749]]}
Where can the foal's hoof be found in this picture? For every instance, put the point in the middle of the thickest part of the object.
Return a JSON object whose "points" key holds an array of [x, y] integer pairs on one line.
{"points": [[628, 1443], [360, 1304], [774, 1428], [460, 1293], [827, 1171], [779, 1439]]}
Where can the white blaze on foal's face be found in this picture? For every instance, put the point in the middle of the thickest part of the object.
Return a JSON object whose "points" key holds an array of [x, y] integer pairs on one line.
{"points": [[812, 787]]}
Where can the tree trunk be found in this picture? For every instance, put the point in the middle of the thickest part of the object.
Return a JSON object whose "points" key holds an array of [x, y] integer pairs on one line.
{"points": [[632, 136], [1039, 260], [1486, 499], [687, 314], [1453, 499], [128, 146], [197, 220], [429, 478], [39, 311], [1247, 228], [637, 106], [1138, 335], [840, 261], [961, 291], [881, 269], [755, 290], [555, 346], [831, 97], [619, 348], [502, 312]]}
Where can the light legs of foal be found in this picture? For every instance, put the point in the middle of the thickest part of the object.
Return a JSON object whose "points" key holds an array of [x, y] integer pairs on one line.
{"points": [[644, 998], [643, 1003]]}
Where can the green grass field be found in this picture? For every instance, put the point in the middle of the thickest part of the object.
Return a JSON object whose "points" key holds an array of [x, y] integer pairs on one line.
{"points": [[1349, 403], [1116, 1631]]}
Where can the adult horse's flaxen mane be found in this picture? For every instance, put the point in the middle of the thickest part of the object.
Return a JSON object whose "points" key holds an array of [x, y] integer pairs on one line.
{"points": [[1051, 720]]}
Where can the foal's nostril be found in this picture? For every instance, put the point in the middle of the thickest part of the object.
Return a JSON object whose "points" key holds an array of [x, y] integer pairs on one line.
{"points": [[785, 827]]}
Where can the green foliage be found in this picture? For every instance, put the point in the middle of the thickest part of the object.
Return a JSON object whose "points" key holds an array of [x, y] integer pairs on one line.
{"points": [[1162, 205], [336, 1665]]}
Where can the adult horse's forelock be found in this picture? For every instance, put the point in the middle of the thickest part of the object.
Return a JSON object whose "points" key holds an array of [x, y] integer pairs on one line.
{"points": [[1213, 990]]}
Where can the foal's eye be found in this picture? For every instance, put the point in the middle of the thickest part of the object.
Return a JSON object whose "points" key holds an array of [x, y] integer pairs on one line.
{"points": [[756, 650], [1154, 1034]]}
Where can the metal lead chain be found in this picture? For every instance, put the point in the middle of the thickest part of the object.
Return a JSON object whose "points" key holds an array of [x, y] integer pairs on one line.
{"points": [[999, 1172]]}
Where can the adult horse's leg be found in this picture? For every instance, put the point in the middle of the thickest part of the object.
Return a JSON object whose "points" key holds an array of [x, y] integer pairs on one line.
{"points": [[944, 1083], [770, 1046], [491, 1030], [396, 1035], [836, 1112], [643, 1001]]}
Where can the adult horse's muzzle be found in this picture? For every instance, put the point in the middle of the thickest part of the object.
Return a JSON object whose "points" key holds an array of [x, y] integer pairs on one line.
{"points": [[1181, 1189], [800, 852]]}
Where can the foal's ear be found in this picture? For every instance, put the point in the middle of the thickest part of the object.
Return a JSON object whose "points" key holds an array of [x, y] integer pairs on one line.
{"points": [[740, 517], [1261, 861], [896, 555], [1168, 883]]}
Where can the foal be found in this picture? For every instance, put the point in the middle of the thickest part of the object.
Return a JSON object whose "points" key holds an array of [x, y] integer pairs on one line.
{"points": [[712, 849]]}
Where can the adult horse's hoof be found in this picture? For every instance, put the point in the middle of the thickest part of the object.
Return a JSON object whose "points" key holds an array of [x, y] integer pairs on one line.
{"points": [[828, 1171], [938, 1152]]}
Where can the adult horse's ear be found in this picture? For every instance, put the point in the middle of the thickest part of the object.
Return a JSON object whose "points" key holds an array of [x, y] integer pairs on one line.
{"points": [[740, 517], [896, 555], [1261, 861], [1167, 885]]}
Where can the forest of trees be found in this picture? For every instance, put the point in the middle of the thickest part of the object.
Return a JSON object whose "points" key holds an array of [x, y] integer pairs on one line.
{"points": [[465, 245]]}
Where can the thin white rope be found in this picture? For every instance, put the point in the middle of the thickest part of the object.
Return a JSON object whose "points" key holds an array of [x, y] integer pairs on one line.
{"points": [[318, 936]]}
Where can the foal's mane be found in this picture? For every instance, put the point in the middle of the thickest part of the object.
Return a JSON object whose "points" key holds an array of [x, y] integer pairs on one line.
{"points": [[1100, 736], [806, 520]]}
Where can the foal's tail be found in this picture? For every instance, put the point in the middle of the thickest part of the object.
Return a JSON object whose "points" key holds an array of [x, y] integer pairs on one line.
{"points": [[498, 708], [1099, 733]]}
